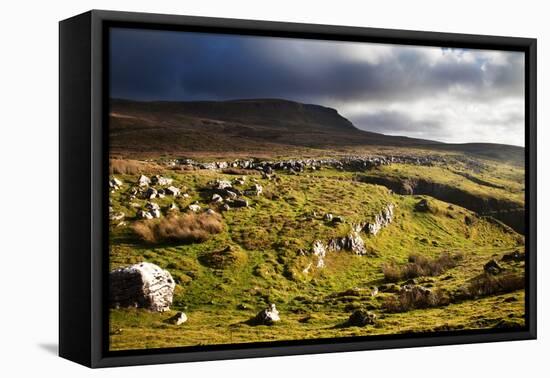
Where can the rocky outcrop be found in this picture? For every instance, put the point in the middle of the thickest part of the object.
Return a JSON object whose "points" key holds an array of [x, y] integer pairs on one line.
{"points": [[350, 163], [320, 251], [381, 220], [254, 190], [509, 212], [351, 243], [143, 285]]}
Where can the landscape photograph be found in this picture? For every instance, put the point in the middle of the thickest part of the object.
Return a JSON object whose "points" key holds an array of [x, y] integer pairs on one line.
{"points": [[266, 189]]}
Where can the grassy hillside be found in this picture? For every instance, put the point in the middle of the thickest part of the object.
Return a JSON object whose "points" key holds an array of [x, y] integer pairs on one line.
{"points": [[261, 128], [262, 254]]}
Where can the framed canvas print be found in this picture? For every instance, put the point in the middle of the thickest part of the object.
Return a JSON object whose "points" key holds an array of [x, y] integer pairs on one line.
{"points": [[233, 188]]}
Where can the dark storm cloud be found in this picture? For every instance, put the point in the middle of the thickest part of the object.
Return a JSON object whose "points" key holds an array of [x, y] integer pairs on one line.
{"points": [[162, 65], [172, 65]]}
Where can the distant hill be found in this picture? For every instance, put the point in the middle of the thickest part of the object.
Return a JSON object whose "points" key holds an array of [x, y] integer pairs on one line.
{"points": [[248, 125]]}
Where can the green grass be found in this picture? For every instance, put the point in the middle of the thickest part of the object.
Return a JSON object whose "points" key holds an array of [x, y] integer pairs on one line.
{"points": [[267, 238]]}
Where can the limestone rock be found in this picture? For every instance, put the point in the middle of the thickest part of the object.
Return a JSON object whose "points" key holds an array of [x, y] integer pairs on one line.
{"points": [[320, 251], [221, 184], [381, 220], [150, 193], [115, 183], [361, 318], [216, 198], [159, 180], [267, 316], [142, 285], [172, 191], [492, 267], [144, 181], [194, 208], [178, 319]]}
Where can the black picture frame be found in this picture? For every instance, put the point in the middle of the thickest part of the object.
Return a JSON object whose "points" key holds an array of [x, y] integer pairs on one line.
{"points": [[83, 198]]}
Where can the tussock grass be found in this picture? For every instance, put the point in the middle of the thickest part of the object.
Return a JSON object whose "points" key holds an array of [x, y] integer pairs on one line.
{"points": [[417, 298], [179, 228], [419, 266], [131, 167], [488, 284]]}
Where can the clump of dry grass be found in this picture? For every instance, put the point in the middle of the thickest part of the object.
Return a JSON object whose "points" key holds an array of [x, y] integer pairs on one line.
{"points": [[415, 298], [131, 167], [419, 266], [187, 228], [487, 284]]}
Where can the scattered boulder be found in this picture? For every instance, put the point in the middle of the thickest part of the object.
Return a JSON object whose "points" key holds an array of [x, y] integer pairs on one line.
{"points": [[116, 216], [194, 208], [173, 207], [221, 184], [267, 316], [361, 318], [239, 181], [172, 191], [143, 214], [422, 206], [255, 190], [159, 180], [143, 181], [239, 202], [352, 242], [150, 193], [152, 206], [115, 183], [216, 198], [230, 195], [155, 213], [492, 267], [373, 291], [337, 219], [143, 285], [178, 319], [513, 256], [328, 217]]}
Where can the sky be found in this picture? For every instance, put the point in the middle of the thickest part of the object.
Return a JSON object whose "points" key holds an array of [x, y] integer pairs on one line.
{"points": [[449, 95]]}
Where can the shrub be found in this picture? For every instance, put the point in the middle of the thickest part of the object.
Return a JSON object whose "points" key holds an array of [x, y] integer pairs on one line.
{"points": [[419, 266], [179, 228]]}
